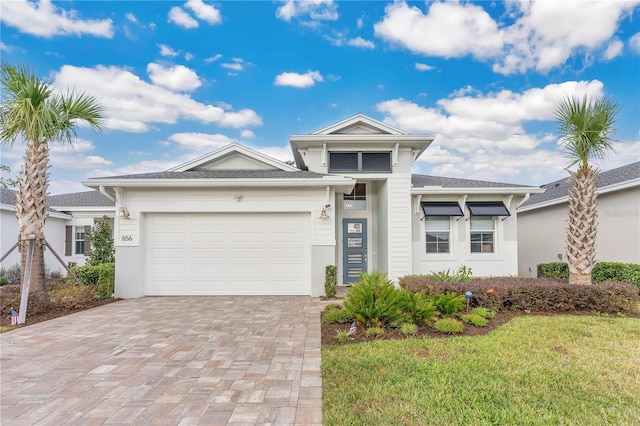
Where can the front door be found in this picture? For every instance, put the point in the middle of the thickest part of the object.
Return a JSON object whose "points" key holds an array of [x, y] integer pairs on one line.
{"points": [[354, 249]]}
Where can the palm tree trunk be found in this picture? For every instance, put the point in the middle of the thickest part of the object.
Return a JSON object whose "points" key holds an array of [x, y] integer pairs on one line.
{"points": [[31, 210], [582, 225]]}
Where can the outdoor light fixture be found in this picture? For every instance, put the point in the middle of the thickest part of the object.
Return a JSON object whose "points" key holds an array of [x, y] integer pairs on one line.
{"points": [[238, 197], [323, 213], [124, 213]]}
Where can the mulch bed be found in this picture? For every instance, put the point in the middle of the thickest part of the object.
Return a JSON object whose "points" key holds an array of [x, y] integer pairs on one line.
{"points": [[53, 312]]}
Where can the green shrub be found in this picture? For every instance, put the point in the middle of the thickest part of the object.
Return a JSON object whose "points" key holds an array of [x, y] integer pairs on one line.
{"points": [[448, 325], [106, 281], [330, 281], [342, 336], [463, 275], [535, 294], [101, 243], [484, 313], [375, 301], [558, 270], [616, 271], [72, 297], [418, 307], [448, 303], [10, 275], [336, 314], [374, 331], [408, 329], [474, 319]]}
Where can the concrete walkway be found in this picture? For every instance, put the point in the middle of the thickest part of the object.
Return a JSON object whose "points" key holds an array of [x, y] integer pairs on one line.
{"points": [[168, 360]]}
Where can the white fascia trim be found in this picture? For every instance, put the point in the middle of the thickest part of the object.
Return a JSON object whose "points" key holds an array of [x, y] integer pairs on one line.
{"points": [[565, 199], [227, 149], [85, 208], [57, 215], [439, 190], [356, 119], [220, 183], [361, 138]]}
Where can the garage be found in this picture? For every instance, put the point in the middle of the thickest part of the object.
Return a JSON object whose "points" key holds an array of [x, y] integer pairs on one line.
{"points": [[227, 254]]}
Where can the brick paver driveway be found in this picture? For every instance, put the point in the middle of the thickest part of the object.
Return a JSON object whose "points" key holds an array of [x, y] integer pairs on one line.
{"points": [[167, 360]]}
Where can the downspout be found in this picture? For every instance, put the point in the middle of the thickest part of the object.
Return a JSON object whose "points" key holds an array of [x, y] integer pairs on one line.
{"points": [[104, 192], [524, 200]]}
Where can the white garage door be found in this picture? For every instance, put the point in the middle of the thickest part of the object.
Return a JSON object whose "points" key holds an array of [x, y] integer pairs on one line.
{"points": [[228, 254]]}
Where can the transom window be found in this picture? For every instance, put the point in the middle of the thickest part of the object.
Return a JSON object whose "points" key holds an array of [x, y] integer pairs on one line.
{"points": [[482, 234], [438, 231], [357, 199], [360, 162], [79, 231]]}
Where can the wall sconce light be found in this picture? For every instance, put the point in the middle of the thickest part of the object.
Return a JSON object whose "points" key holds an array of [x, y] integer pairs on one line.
{"points": [[238, 197], [560, 257], [323, 213], [124, 213]]}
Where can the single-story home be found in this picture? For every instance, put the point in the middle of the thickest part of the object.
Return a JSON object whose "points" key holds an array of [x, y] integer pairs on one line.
{"points": [[542, 221], [69, 217], [237, 222]]}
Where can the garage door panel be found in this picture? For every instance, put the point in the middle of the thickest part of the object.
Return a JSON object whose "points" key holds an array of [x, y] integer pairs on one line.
{"points": [[209, 254]]}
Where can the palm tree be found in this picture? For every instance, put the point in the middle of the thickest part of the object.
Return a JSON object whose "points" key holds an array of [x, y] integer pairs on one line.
{"points": [[585, 126], [33, 113]]}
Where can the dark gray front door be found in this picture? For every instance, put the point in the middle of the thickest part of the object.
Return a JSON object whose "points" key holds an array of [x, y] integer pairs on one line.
{"points": [[354, 248]]}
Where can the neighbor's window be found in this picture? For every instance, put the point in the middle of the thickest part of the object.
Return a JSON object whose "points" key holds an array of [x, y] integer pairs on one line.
{"points": [[79, 239], [482, 234], [438, 230], [360, 162], [357, 199]]}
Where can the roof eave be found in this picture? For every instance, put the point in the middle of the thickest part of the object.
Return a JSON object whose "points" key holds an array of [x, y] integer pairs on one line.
{"points": [[218, 183], [439, 190]]}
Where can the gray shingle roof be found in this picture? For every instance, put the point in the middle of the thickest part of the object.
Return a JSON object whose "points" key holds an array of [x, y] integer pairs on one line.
{"points": [[223, 174], [80, 199], [7, 196], [426, 180], [560, 188]]}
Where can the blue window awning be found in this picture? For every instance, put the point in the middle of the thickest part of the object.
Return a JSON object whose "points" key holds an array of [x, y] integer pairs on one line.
{"points": [[441, 209], [488, 209]]}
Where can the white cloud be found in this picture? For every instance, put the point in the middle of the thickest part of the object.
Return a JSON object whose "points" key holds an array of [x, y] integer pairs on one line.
{"points": [[5, 47], [614, 49], [360, 22], [182, 18], [147, 166], [360, 42], [166, 50], [543, 35], [200, 142], [189, 56], [448, 30], [634, 43], [247, 134], [294, 79], [133, 105], [424, 67], [236, 66], [43, 19], [131, 17], [179, 77], [213, 58], [316, 10], [282, 153], [437, 155], [204, 11]]}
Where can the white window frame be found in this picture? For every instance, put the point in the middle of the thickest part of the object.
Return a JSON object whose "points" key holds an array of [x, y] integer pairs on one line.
{"points": [[448, 231], [483, 231], [76, 240]]}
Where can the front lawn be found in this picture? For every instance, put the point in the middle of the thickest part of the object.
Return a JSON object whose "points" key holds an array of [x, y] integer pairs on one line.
{"points": [[534, 370]]}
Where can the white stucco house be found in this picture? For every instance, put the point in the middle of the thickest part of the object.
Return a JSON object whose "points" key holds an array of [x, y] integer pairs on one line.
{"points": [[236, 222], [68, 218], [542, 221]]}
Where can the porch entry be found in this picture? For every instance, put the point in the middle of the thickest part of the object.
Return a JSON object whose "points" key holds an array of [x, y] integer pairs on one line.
{"points": [[354, 249]]}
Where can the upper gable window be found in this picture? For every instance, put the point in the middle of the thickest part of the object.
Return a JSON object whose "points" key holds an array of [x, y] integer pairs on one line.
{"points": [[360, 162]]}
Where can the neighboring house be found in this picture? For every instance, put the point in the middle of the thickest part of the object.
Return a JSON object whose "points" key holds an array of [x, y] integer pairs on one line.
{"points": [[542, 221], [65, 228], [235, 221]]}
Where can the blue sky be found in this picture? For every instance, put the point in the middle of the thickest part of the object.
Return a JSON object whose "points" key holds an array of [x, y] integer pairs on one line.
{"points": [[178, 79]]}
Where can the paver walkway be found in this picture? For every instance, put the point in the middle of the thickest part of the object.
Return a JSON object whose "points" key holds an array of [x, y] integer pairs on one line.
{"points": [[168, 360]]}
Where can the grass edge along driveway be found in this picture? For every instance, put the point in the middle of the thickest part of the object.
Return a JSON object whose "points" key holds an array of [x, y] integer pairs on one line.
{"points": [[537, 370]]}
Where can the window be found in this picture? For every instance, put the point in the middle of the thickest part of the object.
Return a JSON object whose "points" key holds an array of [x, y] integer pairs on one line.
{"points": [[79, 239], [360, 162], [357, 199], [438, 230], [482, 234]]}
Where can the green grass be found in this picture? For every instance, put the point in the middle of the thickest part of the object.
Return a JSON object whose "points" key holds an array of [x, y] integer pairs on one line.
{"points": [[557, 370]]}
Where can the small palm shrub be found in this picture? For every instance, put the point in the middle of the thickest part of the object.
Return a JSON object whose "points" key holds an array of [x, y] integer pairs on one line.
{"points": [[375, 301], [484, 313], [474, 319], [408, 329], [374, 331], [448, 325], [463, 275], [449, 303], [336, 314], [342, 336], [419, 307]]}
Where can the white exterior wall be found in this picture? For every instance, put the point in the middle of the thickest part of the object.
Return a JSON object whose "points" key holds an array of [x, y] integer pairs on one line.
{"points": [[502, 262], [542, 232], [399, 226], [129, 233]]}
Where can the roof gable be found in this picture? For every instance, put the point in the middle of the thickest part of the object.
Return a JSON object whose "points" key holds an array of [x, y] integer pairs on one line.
{"points": [[359, 124], [233, 157]]}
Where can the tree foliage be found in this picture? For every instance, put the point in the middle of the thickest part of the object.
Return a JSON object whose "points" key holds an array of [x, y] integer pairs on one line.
{"points": [[101, 243]]}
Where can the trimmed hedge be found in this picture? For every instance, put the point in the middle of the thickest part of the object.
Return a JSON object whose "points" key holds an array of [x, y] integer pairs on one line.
{"points": [[602, 272], [535, 294], [102, 276]]}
